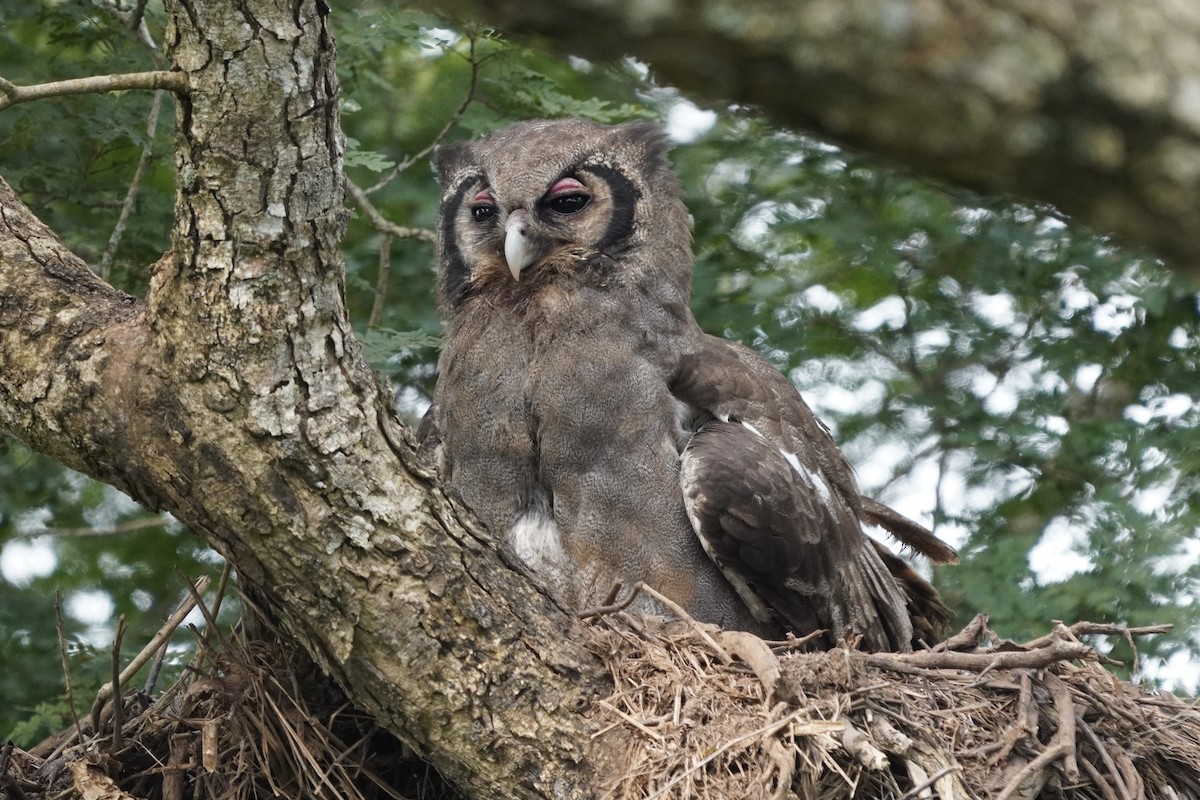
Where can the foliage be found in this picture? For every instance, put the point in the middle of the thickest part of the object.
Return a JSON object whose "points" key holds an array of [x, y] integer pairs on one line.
{"points": [[1020, 383]]}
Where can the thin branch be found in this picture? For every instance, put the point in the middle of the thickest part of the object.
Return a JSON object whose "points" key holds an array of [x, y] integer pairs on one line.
{"points": [[13, 94], [135, 21], [118, 706], [381, 281], [134, 187], [381, 223], [472, 86], [1078, 629], [127, 527], [157, 641], [985, 661], [66, 666], [139, 14]]}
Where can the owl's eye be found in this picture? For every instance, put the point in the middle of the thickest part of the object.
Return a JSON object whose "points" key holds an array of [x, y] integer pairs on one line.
{"points": [[483, 207], [567, 203], [483, 212], [566, 196]]}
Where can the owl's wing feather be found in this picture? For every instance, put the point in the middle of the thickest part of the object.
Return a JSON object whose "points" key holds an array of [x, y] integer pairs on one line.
{"points": [[776, 506]]}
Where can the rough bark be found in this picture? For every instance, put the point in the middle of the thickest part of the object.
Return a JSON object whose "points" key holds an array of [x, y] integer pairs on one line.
{"points": [[1092, 106], [235, 396]]}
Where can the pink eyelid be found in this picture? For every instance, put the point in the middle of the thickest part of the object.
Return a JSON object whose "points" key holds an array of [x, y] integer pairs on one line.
{"points": [[484, 197], [564, 186]]}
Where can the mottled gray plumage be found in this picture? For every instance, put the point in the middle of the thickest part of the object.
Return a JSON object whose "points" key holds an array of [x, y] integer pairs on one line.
{"points": [[584, 416]]}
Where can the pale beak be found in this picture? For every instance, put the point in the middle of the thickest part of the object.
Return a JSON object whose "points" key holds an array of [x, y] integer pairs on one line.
{"points": [[517, 249]]}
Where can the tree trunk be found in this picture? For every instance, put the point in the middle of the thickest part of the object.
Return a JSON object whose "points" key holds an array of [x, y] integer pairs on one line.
{"points": [[235, 396], [1092, 106]]}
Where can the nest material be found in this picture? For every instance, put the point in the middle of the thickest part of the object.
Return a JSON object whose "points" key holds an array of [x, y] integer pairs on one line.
{"points": [[696, 712], [251, 717], [977, 718]]}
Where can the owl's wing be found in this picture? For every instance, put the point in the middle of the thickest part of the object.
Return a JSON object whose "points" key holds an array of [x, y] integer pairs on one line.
{"points": [[776, 506]]}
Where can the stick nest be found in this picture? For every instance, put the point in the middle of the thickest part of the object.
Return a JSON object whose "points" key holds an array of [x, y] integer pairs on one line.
{"points": [[696, 713], [713, 714]]}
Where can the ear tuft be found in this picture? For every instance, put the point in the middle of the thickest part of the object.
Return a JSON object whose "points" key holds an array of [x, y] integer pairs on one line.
{"points": [[649, 134], [450, 159]]}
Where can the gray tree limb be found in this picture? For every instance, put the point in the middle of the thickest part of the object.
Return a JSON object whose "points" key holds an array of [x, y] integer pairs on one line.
{"points": [[1091, 106]]}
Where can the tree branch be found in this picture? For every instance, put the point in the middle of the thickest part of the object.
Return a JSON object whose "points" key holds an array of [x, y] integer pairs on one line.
{"points": [[382, 223], [1095, 108], [12, 94]]}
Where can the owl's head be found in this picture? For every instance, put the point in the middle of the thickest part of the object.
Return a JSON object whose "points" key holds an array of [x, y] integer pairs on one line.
{"points": [[546, 201]]}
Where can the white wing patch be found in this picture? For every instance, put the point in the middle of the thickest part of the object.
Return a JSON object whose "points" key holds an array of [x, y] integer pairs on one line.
{"points": [[813, 478], [750, 427]]}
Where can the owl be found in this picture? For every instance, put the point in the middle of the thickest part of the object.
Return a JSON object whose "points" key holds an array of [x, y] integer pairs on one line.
{"points": [[585, 417]]}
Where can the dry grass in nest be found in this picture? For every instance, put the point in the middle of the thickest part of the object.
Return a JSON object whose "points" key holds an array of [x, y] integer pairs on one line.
{"points": [[709, 714], [251, 717], [697, 713]]}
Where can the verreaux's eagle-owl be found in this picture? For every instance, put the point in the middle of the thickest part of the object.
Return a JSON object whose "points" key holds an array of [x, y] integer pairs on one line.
{"points": [[583, 414]]}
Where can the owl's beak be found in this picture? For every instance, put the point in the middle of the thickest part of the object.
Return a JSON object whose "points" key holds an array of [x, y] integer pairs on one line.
{"points": [[519, 252]]}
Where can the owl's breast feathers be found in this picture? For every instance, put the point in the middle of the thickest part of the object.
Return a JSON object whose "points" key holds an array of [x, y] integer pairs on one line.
{"points": [[775, 504]]}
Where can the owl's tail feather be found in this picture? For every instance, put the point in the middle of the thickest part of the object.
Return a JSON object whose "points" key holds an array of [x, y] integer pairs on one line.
{"points": [[907, 532], [892, 626]]}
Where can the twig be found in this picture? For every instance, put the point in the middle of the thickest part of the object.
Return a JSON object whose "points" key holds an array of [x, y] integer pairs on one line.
{"points": [[1097, 628], [611, 605], [133, 525], [793, 642], [930, 781], [62, 649], [1065, 708], [170, 80], [1047, 757], [635, 723], [986, 661], [381, 281], [222, 586], [177, 763], [139, 14], [155, 670], [1026, 727], [1098, 780], [210, 616], [1118, 780], [678, 611], [118, 706], [968, 638], [1062, 746], [472, 86], [156, 641], [381, 223], [135, 186]]}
